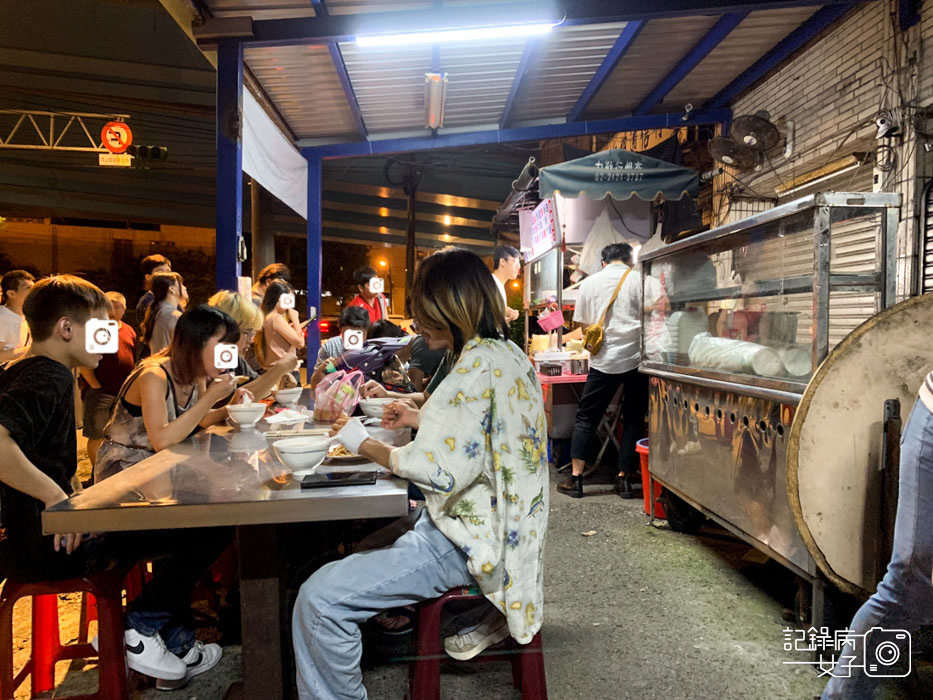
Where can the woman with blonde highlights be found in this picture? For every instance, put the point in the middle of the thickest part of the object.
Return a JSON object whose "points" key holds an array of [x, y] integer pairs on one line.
{"points": [[480, 456], [249, 318]]}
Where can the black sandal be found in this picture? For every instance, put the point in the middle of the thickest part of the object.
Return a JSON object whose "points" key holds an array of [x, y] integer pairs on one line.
{"points": [[408, 613]]}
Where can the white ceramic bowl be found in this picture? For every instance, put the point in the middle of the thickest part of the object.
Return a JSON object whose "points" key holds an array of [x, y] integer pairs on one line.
{"points": [[247, 441], [287, 397], [373, 408], [302, 453], [246, 416]]}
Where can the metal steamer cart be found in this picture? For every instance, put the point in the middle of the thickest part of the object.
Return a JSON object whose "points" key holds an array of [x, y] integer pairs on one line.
{"points": [[582, 205], [747, 313]]}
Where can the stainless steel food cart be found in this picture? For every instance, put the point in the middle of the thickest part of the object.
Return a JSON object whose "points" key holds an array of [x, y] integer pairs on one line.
{"points": [[746, 314]]}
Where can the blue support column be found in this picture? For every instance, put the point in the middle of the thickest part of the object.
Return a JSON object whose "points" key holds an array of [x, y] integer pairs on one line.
{"points": [[229, 201], [315, 229]]}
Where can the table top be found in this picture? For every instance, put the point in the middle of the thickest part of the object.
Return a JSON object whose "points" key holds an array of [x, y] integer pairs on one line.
{"points": [[562, 379], [220, 477]]}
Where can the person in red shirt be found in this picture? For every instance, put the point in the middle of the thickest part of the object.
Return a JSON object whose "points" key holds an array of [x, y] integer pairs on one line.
{"points": [[374, 302], [101, 386]]}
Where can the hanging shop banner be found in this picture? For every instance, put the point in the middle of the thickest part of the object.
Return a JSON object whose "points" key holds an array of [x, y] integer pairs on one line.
{"points": [[618, 174]]}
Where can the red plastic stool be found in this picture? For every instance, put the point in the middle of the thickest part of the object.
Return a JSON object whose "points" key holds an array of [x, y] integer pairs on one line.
{"points": [[424, 672], [47, 648], [133, 584]]}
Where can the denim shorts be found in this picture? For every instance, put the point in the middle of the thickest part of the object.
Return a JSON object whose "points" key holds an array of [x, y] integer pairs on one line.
{"points": [[97, 409]]}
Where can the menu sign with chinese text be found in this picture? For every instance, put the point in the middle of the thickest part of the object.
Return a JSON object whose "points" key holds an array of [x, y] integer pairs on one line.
{"points": [[544, 234]]}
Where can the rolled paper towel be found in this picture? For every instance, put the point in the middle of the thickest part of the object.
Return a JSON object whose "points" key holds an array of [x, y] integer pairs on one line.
{"points": [[734, 356], [796, 361]]}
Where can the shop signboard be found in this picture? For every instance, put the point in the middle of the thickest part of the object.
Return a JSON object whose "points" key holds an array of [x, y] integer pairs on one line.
{"points": [[544, 232]]}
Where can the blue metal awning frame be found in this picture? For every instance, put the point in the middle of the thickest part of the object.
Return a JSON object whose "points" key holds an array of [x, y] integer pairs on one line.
{"points": [[330, 29]]}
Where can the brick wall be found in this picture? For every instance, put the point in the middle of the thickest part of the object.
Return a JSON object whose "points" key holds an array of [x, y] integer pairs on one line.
{"points": [[832, 91]]}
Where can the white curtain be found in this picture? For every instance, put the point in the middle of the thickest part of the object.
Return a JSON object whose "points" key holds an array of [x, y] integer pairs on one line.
{"points": [[271, 159]]}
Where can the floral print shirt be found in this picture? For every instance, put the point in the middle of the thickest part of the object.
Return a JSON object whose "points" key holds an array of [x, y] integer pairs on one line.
{"points": [[480, 456]]}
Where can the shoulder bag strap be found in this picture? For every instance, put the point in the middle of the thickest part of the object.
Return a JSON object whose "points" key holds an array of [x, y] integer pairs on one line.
{"points": [[602, 319]]}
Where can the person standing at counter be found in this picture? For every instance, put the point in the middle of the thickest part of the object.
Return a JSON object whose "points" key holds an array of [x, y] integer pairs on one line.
{"points": [[904, 598], [507, 266], [168, 298], [480, 456], [37, 439], [268, 275], [373, 302], [14, 331], [616, 291], [151, 265]]}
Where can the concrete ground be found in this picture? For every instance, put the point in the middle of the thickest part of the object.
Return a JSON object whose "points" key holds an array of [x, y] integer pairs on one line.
{"points": [[632, 612]]}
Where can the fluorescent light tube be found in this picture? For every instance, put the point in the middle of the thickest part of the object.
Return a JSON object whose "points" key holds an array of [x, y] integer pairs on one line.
{"points": [[444, 36]]}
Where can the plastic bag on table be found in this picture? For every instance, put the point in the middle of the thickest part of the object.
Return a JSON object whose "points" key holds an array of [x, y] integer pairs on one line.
{"points": [[338, 392]]}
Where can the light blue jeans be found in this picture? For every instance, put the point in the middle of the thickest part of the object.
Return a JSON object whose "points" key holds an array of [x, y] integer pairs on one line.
{"points": [[422, 564], [904, 599]]}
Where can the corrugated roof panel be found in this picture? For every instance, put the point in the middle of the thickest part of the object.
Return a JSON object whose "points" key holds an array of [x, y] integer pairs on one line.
{"points": [[562, 69], [659, 47], [303, 84], [355, 7], [389, 85], [261, 9], [479, 80], [745, 44]]}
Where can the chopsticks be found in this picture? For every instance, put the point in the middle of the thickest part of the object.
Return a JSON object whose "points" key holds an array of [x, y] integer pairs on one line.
{"points": [[296, 433]]}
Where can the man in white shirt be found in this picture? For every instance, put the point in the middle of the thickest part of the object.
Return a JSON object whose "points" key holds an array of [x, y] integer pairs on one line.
{"points": [[615, 365], [507, 266], [14, 331]]}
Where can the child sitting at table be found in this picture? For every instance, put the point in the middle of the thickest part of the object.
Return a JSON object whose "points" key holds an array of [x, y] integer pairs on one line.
{"points": [[171, 395], [37, 439]]}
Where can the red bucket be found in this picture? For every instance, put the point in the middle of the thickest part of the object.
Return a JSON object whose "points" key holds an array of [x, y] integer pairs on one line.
{"points": [[641, 447]]}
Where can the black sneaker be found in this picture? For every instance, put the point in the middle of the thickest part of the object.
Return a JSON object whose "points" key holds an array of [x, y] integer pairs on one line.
{"points": [[572, 486], [625, 487]]}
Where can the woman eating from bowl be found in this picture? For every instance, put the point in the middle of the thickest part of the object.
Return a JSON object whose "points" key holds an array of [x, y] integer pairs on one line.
{"points": [[481, 459], [171, 395], [249, 319]]}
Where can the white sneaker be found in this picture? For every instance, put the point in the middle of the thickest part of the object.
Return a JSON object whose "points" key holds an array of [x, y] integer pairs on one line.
{"points": [[492, 630], [148, 656], [200, 658]]}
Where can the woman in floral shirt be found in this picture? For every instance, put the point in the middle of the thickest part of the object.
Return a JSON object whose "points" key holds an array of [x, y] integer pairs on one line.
{"points": [[480, 456]]}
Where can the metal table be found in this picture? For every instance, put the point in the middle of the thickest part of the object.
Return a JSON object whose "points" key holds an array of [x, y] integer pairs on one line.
{"points": [[222, 477]]}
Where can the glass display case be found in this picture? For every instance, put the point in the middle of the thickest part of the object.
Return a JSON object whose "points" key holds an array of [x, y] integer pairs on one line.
{"points": [[543, 279], [757, 305]]}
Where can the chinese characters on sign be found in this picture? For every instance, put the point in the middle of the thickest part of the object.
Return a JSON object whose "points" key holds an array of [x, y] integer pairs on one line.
{"points": [[543, 228], [618, 171], [879, 652]]}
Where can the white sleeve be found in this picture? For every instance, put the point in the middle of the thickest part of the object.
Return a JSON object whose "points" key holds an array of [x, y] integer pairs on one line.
{"points": [[581, 311]]}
